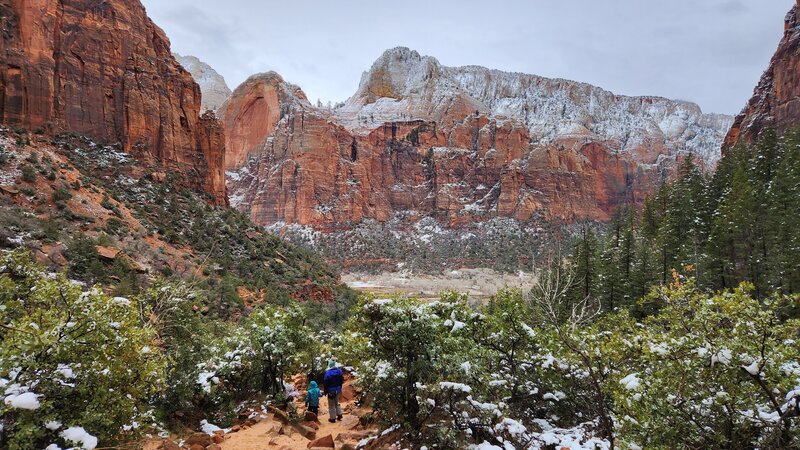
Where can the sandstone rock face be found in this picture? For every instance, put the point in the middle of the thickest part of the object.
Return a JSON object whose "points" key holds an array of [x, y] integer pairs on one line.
{"points": [[253, 111], [776, 100], [212, 85], [461, 145], [103, 69], [405, 85]]}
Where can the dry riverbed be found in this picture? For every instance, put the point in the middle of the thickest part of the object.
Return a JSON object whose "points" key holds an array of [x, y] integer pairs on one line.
{"points": [[478, 283]]}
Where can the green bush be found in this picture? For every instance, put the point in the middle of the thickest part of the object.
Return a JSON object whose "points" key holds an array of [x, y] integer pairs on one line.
{"points": [[116, 227], [28, 173], [61, 194], [70, 357], [416, 360], [726, 363]]}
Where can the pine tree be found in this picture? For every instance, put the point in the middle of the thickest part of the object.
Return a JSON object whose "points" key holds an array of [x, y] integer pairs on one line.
{"points": [[586, 263]]}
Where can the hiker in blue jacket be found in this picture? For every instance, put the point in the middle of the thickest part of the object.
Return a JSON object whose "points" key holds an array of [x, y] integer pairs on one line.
{"points": [[333, 381], [312, 398]]}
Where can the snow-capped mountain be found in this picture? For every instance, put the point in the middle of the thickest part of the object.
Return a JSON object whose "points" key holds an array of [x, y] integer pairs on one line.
{"points": [[461, 145], [402, 84], [213, 86]]}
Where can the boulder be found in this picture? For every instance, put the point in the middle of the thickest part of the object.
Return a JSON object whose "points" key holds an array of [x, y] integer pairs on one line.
{"points": [[348, 392], [305, 431], [323, 442], [167, 444], [201, 439]]}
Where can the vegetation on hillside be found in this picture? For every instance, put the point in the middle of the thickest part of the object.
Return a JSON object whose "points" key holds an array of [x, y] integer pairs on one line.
{"points": [[527, 370], [737, 225], [105, 199]]}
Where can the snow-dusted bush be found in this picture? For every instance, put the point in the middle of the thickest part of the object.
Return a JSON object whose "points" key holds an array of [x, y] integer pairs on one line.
{"points": [[77, 367], [403, 349], [453, 376], [717, 371], [216, 365], [192, 345], [278, 338]]}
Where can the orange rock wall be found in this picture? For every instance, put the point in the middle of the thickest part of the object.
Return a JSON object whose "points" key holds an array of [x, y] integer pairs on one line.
{"points": [[103, 69], [776, 100]]}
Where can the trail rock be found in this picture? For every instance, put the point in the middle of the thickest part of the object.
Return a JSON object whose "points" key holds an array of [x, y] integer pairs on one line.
{"points": [[200, 439], [280, 415], [169, 445], [305, 431], [323, 442], [352, 436], [348, 392]]}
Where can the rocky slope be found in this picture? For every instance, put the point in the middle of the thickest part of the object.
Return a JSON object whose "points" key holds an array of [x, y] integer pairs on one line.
{"points": [[461, 145], [776, 100], [104, 70], [212, 85], [55, 191]]}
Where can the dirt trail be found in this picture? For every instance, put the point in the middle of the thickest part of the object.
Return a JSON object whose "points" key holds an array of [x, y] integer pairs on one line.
{"points": [[269, 431], [266, 434]]}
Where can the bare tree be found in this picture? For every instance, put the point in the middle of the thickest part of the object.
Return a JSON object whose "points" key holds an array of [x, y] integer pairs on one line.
{"points": [[549, 298]]}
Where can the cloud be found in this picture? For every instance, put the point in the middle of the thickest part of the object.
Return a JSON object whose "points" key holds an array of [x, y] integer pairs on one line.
{"points": [[711, 52], [731, 7]]}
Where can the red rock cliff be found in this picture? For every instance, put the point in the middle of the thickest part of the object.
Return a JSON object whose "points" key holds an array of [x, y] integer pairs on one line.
{"points": [[253, 112], [776, 101], [103, 69], [312, 171]]}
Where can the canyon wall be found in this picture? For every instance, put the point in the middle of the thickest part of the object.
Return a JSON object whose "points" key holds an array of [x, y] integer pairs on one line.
{"points": [[104, 70], [461, 145], [776, 100]]}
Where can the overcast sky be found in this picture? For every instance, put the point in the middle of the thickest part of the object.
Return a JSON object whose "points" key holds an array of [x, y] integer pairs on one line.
{"points": [[708, 51]]}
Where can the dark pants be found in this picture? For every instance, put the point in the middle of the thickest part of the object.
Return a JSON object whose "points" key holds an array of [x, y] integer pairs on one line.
{"points": [[314, 409]]}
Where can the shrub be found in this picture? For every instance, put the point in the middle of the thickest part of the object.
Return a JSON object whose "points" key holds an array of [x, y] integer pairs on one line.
{"points": [[70, 357], [28, 173], [84, 261], [408, 355], [278, 338], [116, 227], [715, 371], [61, 194]]}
